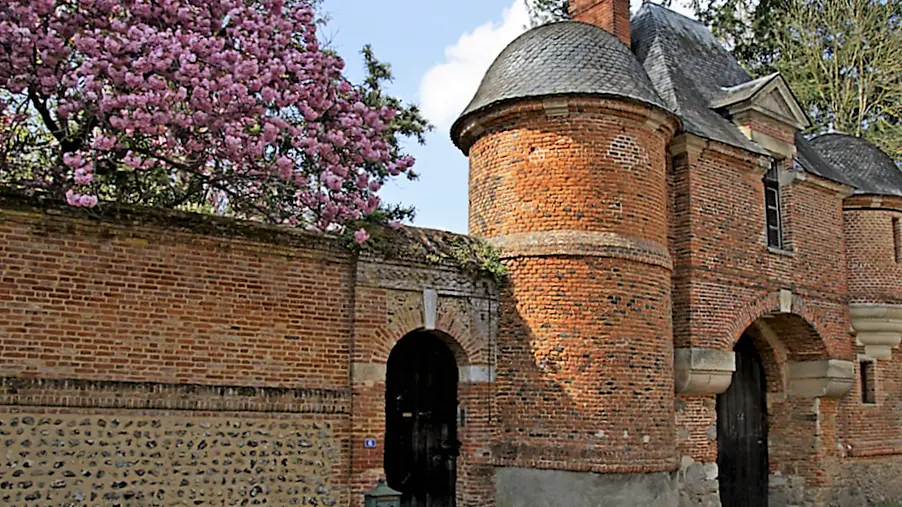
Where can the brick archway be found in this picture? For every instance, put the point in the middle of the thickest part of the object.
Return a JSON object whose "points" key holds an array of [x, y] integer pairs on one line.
{"points": [[799, 324], [407, 311], [798, 442], [464, 325]]}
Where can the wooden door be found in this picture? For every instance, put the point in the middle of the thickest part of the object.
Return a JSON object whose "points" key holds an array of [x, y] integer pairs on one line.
{"points": [[421, 444], [742, 432]]}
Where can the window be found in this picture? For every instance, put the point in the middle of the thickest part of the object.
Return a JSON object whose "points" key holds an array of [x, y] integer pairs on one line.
{"points": [[867, 372], [897, 239], [772, 207]]}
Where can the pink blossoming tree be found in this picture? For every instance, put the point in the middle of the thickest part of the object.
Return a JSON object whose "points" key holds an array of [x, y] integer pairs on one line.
{"points": [[229, 105]]}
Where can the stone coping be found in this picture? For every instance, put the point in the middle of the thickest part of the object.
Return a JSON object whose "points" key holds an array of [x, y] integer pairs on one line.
{"points": [[431, 247]]}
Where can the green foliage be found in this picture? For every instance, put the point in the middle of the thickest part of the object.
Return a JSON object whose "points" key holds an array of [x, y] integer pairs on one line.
{"points": [[547, 11], [746, 27], [478, 255], [409, 122], [843, 59]]}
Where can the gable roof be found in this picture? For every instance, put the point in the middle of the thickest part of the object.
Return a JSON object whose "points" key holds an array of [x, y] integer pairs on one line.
{"points": [[690, 70], [696, 76], [769, 95], [741, 92], [870, 169]]}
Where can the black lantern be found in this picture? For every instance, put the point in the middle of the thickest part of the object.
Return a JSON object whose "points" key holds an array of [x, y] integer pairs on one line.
{"points": [[382, 496]]}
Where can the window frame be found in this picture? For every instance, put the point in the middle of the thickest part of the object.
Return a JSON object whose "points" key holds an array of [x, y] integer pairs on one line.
{"points": [[867, 380], [772, 191], [897, 239]]}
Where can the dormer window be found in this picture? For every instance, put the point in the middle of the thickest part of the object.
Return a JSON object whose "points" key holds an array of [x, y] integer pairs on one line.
{"points": [[772, 206]]}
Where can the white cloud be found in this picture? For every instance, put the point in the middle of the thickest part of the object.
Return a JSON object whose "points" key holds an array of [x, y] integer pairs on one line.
{"points": [[447, 87]]}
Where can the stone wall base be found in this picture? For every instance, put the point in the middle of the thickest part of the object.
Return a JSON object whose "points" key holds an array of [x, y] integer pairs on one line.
{"points": [[873, 481], [697, 484], [526, 487], [789, 490]]}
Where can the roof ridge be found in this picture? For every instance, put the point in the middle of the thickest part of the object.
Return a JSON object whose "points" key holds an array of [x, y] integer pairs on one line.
{"points": [[666, 75], [647, 3]]}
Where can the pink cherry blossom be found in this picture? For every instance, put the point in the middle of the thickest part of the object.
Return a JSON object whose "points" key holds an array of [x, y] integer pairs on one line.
{"points": [[239, 93], [361, 236]]}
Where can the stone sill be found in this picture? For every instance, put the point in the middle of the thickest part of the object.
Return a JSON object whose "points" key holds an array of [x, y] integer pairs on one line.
{"points": [[780, 251]]}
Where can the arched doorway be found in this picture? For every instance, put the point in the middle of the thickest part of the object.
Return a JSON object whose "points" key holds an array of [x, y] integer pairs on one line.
{"points": [[742, 453], [421, 444]]}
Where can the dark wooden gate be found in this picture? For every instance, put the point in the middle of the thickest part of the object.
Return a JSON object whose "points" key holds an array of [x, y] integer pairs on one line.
{"points": [[421, 444], [742, 432]]}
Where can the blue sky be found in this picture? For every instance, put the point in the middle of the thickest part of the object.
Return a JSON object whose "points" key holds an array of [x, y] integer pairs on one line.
{"points": [[439, 50]]}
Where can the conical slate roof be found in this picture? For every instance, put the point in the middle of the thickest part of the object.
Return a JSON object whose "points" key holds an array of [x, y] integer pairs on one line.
{"points": [[870, 169], [564, 58]]}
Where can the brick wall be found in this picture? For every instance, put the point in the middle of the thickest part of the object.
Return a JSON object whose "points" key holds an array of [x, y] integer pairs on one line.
{"points": [[727, 281], [871, 433], [725, 276], [875, 429], [612, 16], [103, 301], [870, 441], [254, 340], [875, 276]]}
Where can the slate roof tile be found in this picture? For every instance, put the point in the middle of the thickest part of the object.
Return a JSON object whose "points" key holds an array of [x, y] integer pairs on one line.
{"points": [[676, 64], [690, 69], [870, 169]]}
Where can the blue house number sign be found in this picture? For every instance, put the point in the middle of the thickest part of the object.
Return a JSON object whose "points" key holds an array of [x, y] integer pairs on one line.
{"points": [[369, 443]]}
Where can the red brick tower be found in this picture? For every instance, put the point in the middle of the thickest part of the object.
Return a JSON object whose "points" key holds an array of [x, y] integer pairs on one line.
{"points": [[566, 139], [873, 232]]}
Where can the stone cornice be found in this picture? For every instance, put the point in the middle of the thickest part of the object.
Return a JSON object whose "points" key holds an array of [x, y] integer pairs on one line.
{"points": [[702, 372], [878, 328], [580, 243], [873, 202], [842, 191], [477, 124], [827, 378], [694, 145]]}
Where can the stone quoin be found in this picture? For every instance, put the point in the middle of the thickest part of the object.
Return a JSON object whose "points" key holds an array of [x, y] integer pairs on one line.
{"points": [[700, 306]]}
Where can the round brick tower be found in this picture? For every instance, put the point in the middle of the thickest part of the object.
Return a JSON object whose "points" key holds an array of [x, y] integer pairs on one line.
{"points": [[567, 144], [873, 232]]}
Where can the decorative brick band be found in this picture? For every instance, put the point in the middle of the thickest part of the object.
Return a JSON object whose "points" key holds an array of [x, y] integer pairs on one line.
{"points": [[881, 448], [147, 395], [580, 243], [585, 460]]}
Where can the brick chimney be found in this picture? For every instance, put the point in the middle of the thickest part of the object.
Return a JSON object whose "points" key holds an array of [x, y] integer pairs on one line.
{"points": [[611, 15]]}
